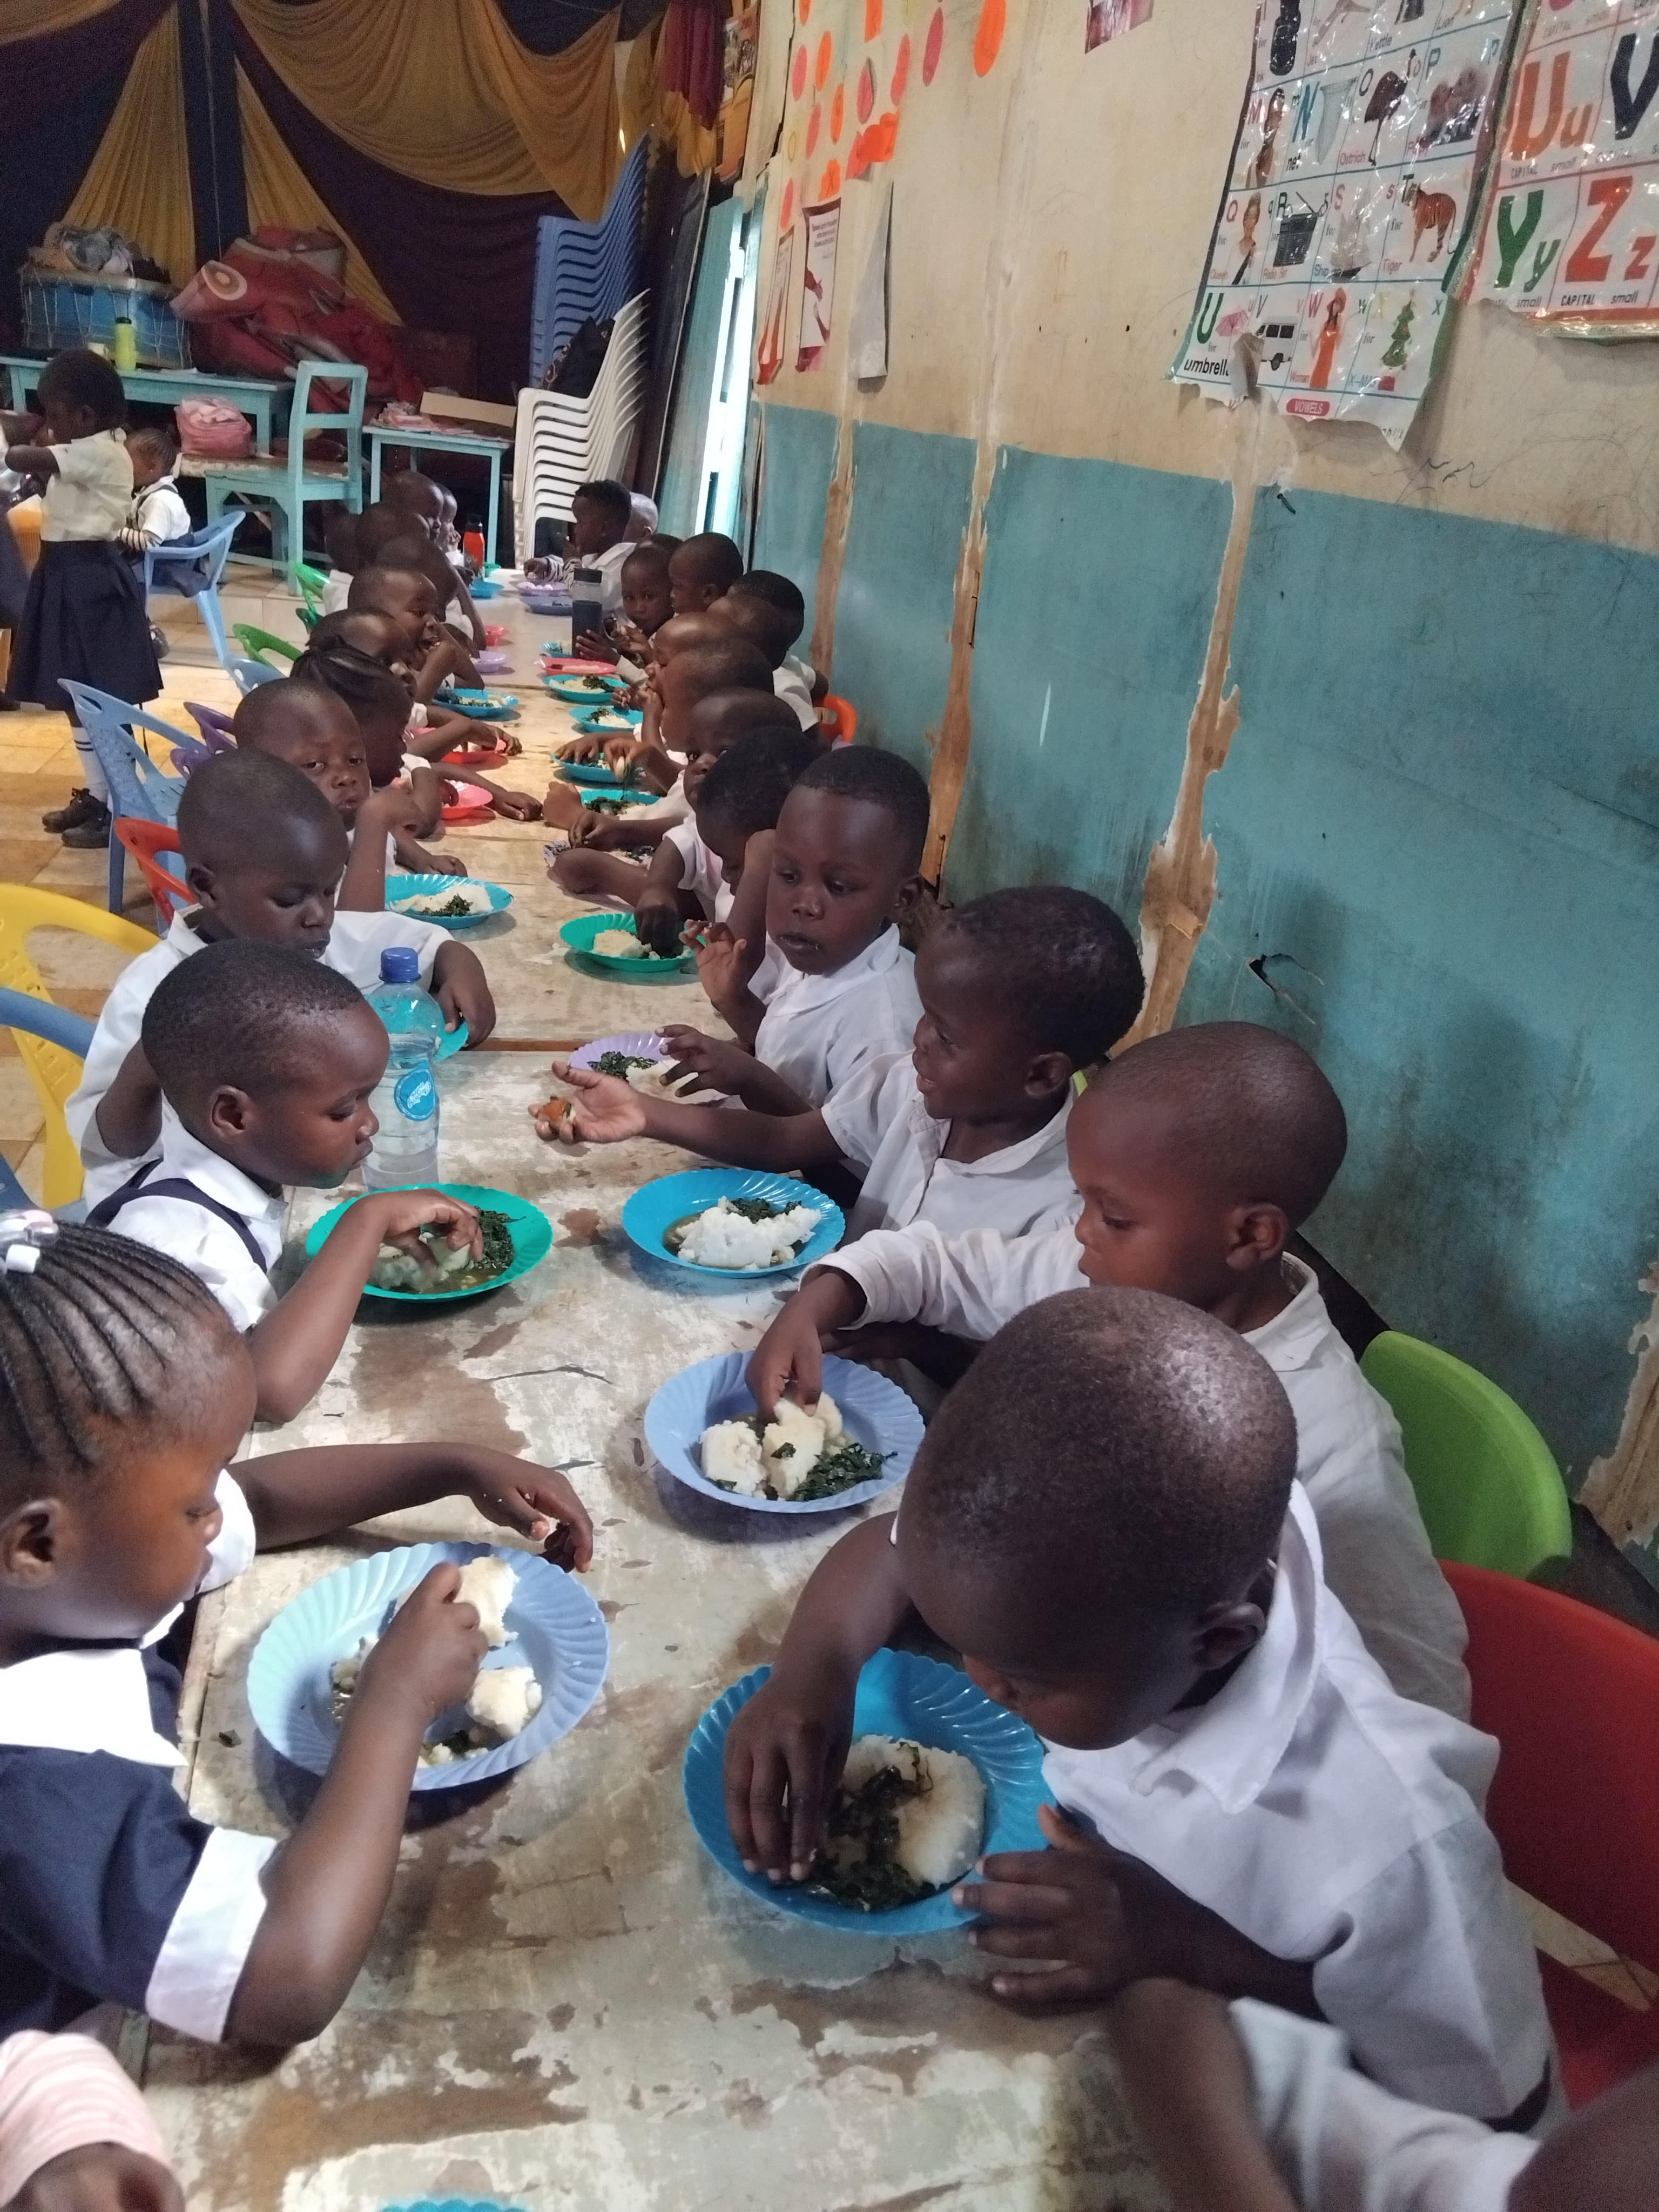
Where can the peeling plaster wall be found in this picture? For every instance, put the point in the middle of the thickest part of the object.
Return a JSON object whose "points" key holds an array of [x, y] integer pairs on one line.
{"points": [[1428, 848]]}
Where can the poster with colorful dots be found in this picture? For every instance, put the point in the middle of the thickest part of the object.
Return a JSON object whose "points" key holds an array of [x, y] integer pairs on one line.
{"points": [[1355, 174]]}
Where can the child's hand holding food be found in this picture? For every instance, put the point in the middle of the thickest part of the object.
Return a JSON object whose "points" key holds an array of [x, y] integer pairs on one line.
{"points": [[784, 1755], [585, 747], [517, 805], [462, 990], [656, 921], [399, 1216], [536, 1501], [606, 1111], [430, 1655]]}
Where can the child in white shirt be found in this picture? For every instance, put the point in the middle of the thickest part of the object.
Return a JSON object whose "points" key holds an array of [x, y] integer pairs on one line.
{"points": [[263, 851], [783, 593], [1249, 2107], [267, 1062], [1102, 1519], [737, 796], [1018, 990], [123, 1392], [772, 632], [1195, 1153], [158, 515]]}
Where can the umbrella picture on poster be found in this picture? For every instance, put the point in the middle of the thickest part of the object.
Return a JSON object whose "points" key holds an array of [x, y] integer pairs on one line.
{"points": [[818, 296], [769, 359]]}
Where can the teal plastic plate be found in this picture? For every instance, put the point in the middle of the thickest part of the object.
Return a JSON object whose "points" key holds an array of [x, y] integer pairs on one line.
{"points": [[454, 1041], [480, 706], [578, 692], [533, 1240], [431, 886], [580, 934], [611, 722]]}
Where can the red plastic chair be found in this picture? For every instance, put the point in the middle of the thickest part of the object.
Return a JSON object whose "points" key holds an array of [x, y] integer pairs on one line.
{"points": [[146, 842], [838, 719], [1570, 1694]]}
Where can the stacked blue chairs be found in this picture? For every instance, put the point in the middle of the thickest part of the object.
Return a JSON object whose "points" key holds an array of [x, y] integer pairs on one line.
{"points": [[585, 269]]}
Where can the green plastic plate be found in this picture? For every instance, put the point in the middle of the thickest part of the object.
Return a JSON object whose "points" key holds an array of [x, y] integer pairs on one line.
{"points": [[533, 1240]]}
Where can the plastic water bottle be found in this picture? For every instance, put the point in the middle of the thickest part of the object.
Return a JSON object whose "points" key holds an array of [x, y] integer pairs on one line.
{"points": [[405, 1100]]}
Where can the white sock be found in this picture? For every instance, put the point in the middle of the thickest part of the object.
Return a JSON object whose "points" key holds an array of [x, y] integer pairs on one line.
{"points": [[91, 770]]}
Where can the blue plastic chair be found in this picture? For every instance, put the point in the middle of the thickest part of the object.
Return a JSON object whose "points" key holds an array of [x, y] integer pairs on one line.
{"points": [[284, 485], [57, 1025], [247, 675], [136, 786], [192, 567]]}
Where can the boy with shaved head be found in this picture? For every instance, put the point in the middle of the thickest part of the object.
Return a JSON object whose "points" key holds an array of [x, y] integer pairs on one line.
{"points": [[1196, 1154], [263, 852], [1102, 1519]]}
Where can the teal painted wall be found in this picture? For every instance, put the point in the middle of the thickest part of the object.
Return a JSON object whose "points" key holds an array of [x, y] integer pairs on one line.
{"points": [[1438, 830], [910, 502]]}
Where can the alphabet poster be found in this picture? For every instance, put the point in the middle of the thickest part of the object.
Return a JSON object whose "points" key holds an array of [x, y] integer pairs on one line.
{"points": [[1571, 232], [817, 294], [1358, 156]]}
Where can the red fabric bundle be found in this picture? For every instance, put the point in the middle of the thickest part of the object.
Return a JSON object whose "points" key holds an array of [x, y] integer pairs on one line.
{"points": [[694, 55], [268, 306]]}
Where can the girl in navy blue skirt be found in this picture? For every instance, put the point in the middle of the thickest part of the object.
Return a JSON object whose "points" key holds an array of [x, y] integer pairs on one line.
{"points": [[84, 617]]}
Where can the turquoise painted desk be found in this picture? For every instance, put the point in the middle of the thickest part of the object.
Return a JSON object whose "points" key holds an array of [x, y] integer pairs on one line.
{"points": [[442, 442], [266, 399]]}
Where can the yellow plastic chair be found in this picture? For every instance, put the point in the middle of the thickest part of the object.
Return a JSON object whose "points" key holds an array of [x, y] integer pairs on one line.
{"points": [[1487, 1483], [54, 1073]]}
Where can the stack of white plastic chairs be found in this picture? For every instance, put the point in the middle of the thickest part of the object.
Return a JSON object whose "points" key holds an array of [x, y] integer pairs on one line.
{"points": [[561, 442]]}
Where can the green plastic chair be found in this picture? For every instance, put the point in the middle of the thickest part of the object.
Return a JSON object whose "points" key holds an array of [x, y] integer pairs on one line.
{"points": [[260, 644], [309, 582], [1487, 1484]]}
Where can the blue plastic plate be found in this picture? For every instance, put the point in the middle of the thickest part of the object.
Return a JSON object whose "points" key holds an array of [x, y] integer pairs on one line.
{"points": [[454, 1041], [580, 933], [579, 691], [877, 1412], [611, 722], [533, 1240], [479, 705], [656, 1207], [424, 886], [556, 1628], [899, 1694], [591, 772]]}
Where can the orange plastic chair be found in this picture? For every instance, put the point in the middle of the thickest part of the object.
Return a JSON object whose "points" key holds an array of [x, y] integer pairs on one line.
{"points": [[1570, 1694], [838, 719], [146, 842]]}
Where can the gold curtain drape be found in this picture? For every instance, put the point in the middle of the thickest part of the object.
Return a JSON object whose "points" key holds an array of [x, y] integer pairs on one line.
{"points": [[441, 91], [280, 193], [40, 19], [138, 182]]}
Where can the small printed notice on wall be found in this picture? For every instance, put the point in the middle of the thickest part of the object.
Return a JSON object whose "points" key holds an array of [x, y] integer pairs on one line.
{"points": [[768, 358], [1109, 19], [1571, 233], [1357, 164], [818, 296]]}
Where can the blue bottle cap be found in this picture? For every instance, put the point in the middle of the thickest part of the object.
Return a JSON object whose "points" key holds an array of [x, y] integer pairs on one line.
{"points": [[400, 963]]}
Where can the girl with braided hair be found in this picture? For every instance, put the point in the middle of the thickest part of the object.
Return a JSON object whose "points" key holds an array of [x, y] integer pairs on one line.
{"points": [[124, 1389]]}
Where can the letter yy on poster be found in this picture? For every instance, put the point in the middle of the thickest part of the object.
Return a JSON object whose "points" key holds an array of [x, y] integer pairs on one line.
{"points": [[817, 294], [1571, 235], [1356, 166]]}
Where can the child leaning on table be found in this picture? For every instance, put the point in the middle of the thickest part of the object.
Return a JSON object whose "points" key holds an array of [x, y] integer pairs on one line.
{"points": [[428, 731], [835, 989], [262, 850], [1018, 990], [1102, 1519], [1194, 1154], [1245, 2106], [124, 1391], [266, 1062]]}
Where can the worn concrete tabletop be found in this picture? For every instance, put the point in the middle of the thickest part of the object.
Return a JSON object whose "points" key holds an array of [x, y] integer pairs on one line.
{"points": [[568, 2006]]}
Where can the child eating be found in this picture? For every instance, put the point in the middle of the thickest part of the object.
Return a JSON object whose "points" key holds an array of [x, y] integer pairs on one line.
{"points": [[778, 591], [703, 569], [835, 990], [401, 585], [313, 730], [266, 1063], [1195, 1154], [262, 852], [967, 1131], [600, 513], [771, 632], [1102, 1519], [123, 1392]]}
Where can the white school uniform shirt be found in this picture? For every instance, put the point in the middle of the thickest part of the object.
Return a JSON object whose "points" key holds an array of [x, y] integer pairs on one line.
{"points": [[880, 1122], [190, 1896], [1343, 2145], [1333, 1822], [789, 686], [1348, 1456], [337, 590], [818, 1031], [159, 514], [355, 945], [704, 873], [199, 1240], [89, 495], [803, 671]]}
